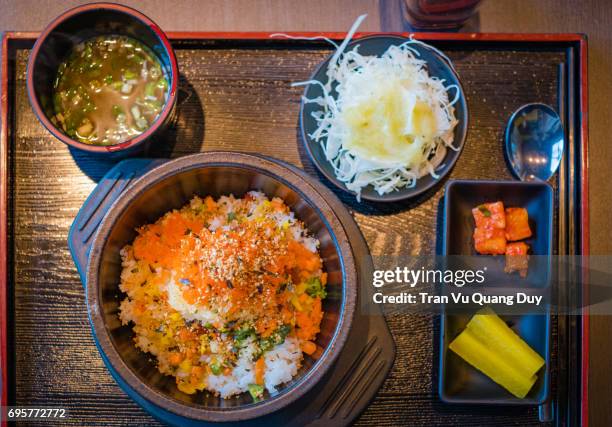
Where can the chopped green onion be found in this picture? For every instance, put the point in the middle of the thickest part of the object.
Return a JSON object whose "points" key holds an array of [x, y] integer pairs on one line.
{"points": [[155, 72], [155, 106], [215, 368], [162, 84], [256, 391], [277, 337], [314, 288], [129, 74], [242, 334], [486, 212]]}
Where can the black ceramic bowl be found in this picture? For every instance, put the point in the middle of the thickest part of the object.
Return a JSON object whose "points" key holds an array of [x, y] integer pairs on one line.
{"points": [[437, 66], [81, 23], [170, 186]]}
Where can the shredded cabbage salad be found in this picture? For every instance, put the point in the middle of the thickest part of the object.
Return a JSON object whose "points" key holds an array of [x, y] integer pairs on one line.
{"points": [[356, 83]]}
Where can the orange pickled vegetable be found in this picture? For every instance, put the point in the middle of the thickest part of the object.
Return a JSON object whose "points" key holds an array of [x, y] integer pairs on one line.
{"points": [[490, 241], [517, 224], [490, 215]]}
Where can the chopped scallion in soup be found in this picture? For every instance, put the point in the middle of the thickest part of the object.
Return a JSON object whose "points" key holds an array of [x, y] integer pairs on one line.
{"points": [[110, 89]]}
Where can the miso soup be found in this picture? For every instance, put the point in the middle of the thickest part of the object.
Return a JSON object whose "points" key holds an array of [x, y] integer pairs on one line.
{"points": [[110, 89]]}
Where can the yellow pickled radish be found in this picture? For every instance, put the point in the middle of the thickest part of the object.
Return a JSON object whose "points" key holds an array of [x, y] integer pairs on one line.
{"points": [[492, 364], [490, 329]]}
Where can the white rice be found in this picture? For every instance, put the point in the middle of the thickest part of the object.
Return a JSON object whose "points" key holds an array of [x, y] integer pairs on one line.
{"points": [[282, 364]]}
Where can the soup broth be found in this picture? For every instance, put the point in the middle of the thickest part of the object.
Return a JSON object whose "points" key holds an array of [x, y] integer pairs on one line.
{"points": [[110, 89]]}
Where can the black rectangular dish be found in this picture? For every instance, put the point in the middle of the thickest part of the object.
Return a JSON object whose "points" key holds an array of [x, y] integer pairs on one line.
{"points": [[459, 382], [462, 384], [235, 94], [461, 196]]}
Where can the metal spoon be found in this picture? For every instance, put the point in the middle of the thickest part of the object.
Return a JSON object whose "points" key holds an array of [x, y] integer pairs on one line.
{"points": [[534, 141]]}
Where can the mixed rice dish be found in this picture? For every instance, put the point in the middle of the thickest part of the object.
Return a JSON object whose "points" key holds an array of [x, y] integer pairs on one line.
{"points": [[226, 294]]}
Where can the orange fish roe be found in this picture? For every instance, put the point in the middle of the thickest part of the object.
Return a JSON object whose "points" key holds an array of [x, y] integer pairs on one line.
{"points": [[216, 286]]}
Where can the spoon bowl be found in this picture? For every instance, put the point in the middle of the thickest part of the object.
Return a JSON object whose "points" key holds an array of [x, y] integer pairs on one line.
{"points": [[534, 142]]}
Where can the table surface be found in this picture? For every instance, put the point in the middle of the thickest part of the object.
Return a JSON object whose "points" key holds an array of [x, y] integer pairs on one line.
{"points": [[584, 16]]}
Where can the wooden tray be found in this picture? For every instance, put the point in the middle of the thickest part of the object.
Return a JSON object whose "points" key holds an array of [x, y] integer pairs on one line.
{"points": [[235, 94]]}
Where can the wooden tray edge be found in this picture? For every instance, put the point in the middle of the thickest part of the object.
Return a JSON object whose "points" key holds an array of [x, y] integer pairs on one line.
{"points": [[585, 222], [4, 222]]}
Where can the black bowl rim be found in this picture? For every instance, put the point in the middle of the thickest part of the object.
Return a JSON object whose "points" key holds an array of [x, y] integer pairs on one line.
{"points": [[130, 143], [389, 197], [275, 171]]}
